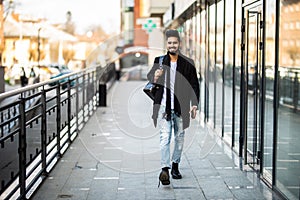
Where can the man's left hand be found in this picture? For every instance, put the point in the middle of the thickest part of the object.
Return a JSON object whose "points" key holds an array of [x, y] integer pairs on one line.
{"points": [[193, 112]]}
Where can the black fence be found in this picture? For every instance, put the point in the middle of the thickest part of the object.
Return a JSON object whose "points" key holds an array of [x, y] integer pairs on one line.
{"points": [[39, 122]]}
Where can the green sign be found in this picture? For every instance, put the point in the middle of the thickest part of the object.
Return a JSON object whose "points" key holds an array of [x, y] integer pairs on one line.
{"points": [[149, 26]]}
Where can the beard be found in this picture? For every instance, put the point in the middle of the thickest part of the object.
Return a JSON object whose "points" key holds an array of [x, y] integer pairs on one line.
{"points": [[174, 52]]}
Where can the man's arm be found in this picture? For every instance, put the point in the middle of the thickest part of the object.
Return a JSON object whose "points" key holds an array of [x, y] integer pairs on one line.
{"points": [[195, 92], [151, 73], [155, 73]]}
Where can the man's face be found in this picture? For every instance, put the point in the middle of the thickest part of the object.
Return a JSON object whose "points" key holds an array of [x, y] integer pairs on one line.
{"points": [[173, 45]]}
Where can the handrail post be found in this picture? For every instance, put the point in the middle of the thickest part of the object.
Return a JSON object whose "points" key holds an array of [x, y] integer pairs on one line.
{"points": [[22, 148], [69, 111], [58, 120], [94, 93], [102, 94], [296, 92], [83, 95], [77, 102], [44, 132], [88, 95]]}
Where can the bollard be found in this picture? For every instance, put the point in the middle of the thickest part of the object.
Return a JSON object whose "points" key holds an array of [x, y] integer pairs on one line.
{"points": [[118, 74], [102, 94]]}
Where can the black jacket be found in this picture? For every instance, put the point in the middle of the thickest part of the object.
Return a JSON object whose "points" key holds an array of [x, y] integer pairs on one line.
{"points": [[186, 88]]}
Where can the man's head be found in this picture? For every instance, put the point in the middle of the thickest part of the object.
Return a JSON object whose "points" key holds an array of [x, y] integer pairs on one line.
{"points": [[173, 41]]}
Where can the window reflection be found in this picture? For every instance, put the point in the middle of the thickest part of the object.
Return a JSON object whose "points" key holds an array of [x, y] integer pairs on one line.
{"points": [[288, 155]]}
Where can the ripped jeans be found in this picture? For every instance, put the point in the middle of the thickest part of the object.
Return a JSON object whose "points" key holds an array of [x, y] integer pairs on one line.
{"points": [[166, 129]]}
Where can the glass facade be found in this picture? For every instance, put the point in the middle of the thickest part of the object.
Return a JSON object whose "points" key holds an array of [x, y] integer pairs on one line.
{"points": [[228, 71], [288, 139], [244, 51], [269, 87], [203, 59]]}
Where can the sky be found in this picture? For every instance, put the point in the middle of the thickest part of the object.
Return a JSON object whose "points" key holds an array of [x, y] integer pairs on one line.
{"points": [[84, 12]]}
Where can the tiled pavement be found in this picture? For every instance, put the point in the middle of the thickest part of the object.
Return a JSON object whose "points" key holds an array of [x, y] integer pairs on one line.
{"points": [[116, 156]]}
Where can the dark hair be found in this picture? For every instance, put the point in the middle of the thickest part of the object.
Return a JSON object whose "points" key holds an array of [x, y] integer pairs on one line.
{"points": [[172, 33]]}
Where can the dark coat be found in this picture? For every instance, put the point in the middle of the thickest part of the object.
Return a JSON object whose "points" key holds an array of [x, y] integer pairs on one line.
{"points": [[186, 88]]}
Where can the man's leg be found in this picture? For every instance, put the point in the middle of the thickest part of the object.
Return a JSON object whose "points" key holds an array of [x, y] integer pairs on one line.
{"points": [[165, 140], [178, 146]]}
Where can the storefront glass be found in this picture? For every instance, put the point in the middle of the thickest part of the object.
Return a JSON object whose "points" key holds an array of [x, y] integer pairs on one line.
{"points": [[219, 65], [228, 73], [202, 57], [288, 148], [237, 57], [269, 89], [211, 63]]}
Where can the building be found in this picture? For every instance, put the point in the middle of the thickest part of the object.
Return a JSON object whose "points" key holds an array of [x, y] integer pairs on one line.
{"points": [[31, 42], [141, 28], [247, 56]]}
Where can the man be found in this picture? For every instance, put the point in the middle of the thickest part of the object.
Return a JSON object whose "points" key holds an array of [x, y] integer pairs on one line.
{"points": [[175, 101]]}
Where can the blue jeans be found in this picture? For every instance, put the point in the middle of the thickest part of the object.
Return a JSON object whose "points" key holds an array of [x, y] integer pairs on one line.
{"points": [[166, 128]]}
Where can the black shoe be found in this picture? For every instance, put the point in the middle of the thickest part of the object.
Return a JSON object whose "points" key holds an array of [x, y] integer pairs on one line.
{"points": [[175, 172], [164, 177]]}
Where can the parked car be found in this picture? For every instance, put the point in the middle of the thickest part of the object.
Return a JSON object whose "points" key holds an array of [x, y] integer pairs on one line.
{"points": [[63, 70], [46, 72], [59, 67]]}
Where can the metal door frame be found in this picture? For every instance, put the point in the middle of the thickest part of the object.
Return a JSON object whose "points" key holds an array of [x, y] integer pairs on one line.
{"points": [[247, 10]]}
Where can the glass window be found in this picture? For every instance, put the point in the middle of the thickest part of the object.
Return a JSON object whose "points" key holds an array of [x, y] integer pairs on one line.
{"points": [[219, 64], [211, 61], [187, 32], [292, 25], [237, 77], [286, 9], [288, 148], [202, 56], [197, 42], [291, 43], [269, 91], [193, 39], [228, 79]]}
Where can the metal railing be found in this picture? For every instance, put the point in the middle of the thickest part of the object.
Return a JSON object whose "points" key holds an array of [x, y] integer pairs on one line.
{"points": [[39, 122]]}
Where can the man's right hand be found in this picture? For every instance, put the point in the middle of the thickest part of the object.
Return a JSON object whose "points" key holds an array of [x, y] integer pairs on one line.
{"points": [[157, 74]]}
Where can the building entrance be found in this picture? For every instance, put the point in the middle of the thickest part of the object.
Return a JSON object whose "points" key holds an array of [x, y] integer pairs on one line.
{"points": [[253, 92]]}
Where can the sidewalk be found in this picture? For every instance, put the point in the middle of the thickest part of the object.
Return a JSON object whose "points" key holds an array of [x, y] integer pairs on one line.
{"points": [[116, 156]]}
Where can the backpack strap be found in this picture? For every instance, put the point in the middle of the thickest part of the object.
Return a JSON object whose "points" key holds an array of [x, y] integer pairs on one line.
{"points": [[161, 58]]}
